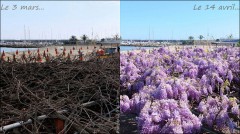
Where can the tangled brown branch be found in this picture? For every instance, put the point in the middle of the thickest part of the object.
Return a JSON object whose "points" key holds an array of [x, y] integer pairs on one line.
{"points": [[87, 90]]}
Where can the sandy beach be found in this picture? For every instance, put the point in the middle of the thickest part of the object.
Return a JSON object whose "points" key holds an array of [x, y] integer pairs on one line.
{"points": [[54, 51], [176, 47], [73, 51]]}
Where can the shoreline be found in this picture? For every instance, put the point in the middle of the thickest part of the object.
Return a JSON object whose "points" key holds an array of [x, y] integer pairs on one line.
{"points": [[55, 51], [173, 48]]}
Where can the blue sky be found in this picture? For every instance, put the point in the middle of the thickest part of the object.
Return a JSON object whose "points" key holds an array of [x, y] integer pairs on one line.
{"points": [[130, 19], [177, 20], [61, 18]]}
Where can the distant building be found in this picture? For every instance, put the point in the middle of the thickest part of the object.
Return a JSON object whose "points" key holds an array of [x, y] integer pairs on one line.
{"points": [[109, 41], [226, 42]]}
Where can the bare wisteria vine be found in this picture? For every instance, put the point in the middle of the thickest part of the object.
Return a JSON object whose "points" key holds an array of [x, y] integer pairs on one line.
{"points": [[86, 90]]}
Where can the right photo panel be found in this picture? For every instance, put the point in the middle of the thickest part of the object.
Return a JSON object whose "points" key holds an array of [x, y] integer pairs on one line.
{"points": [[179, 67]]}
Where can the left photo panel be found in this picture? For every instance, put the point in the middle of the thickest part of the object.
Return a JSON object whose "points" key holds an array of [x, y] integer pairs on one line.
{"points": [[59, 67]]}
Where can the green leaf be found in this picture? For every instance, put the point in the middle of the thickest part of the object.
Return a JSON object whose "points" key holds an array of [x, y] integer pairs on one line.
{"points": [[226, 83]]}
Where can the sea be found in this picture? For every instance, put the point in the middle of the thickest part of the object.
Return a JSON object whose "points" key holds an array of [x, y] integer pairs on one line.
{"points": [[129, 48], [9, 49]]}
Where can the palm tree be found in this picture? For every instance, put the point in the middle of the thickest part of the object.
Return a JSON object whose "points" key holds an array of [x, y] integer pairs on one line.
{"points": [[191, 38], [116, 37], [230, 36], [102, 40], [84, 38], [73, 39], [200, 37]]}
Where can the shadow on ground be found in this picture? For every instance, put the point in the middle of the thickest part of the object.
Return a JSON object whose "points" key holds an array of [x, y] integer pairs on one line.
{"points": [[128, 124]]}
